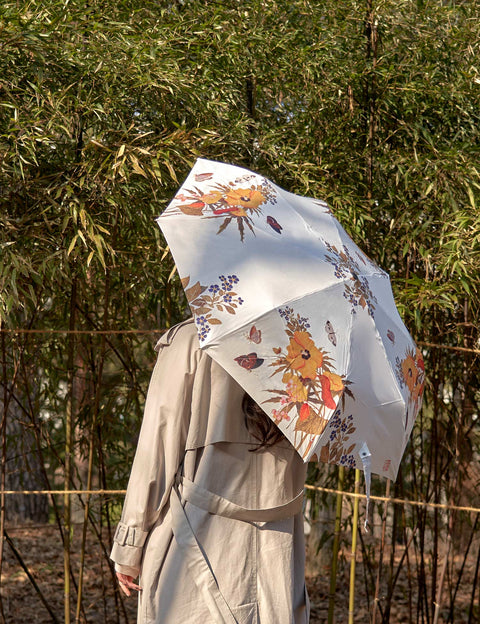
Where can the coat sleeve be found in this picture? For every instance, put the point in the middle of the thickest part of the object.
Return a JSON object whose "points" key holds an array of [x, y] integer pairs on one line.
{"points": [[160, 449]]}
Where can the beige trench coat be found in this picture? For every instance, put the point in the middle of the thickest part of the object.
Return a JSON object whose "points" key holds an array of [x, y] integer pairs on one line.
{"points": [[216, 531]]}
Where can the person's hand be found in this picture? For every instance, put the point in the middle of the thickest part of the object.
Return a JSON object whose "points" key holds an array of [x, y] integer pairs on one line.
{"points": [[126, 584]]}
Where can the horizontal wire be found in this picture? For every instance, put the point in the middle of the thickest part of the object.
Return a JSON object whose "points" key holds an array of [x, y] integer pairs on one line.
{"points": [[450, 348], [81, 331], [61, 492], [396, 501], [93, 332]]}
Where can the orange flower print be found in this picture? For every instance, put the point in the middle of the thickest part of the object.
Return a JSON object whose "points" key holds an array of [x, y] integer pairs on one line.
{"points": [[336, 383], [310, 388], [211, 198], [409, 370], [420, 381], [331, 384], [303, 355], [248, 198], [226, 201], [304, 412], [412, 373], [327, 397], [236, 211], [297, 392]]}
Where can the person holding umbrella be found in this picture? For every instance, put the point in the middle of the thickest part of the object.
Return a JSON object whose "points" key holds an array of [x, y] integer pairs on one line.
{"points": [[212, 519], [289, 315]]}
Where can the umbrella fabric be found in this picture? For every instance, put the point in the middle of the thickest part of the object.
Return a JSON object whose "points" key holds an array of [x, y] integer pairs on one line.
{"points": [[287, 303]]}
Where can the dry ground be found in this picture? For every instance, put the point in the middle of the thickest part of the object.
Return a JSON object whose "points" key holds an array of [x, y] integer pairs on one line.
{"points": [[42, 553]]}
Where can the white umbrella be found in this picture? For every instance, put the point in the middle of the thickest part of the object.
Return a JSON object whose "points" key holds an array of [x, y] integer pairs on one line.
{"points": [[306, 323]]}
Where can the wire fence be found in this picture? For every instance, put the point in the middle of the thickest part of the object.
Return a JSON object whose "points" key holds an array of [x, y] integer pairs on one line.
{"points": [[315, 488], [421, 531]]}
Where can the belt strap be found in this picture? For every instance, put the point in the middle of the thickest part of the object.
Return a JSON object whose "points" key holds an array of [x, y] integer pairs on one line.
{"points": [[220, 506], [197, 564], [195, 559]]}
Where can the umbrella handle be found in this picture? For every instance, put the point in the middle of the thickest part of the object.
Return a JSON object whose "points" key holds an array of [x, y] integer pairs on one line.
{"points": [[356, 504], [366, 458]]}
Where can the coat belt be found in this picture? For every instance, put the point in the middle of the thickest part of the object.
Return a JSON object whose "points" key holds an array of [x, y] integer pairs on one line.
{"points": [[220, 506], [196, 561]]}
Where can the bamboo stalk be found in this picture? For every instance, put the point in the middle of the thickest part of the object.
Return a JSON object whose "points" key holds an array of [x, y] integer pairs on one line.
{"points": [[371, 57], [40, 451], [168, 304], [474, 589], [391, 577], [382, 548], [93, 425], [96, 410], [407, 541], [30, 577], [7, 396], [451, 615], [356, 504], [113, 347], [105, 553], [68, 455], [3, 429], [336, 545], [438, 602], [85, 524], [103, 479], [456, 487]]}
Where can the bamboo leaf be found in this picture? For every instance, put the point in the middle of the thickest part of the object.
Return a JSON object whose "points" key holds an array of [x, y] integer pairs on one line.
{"points": [[72, 244]]}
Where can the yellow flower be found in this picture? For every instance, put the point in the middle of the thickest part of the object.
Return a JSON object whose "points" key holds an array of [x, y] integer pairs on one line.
{"points": [[303, 355], [409, 370], [238, 212], [248, 198], [336, 383], [211, 198], [296, 390], [413, 370], [420, 381]]}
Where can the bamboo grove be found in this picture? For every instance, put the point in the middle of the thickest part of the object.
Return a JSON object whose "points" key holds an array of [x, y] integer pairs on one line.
{"points": [[371, 105]]}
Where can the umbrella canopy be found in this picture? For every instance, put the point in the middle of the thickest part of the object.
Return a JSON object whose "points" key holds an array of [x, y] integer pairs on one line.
{"points": [[287, 303]]}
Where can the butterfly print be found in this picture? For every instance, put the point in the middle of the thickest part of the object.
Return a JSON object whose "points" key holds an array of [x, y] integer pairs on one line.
{"points": [[249, 361], [332, 336], [274, 224], [255, 335], [201, 177]]}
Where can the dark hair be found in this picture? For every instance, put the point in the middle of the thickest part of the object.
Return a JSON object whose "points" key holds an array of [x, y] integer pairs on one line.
{"points": [[259, 424]]}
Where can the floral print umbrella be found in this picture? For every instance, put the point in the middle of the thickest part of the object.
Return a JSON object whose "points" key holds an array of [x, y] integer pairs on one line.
{"points": [[286, 302]]}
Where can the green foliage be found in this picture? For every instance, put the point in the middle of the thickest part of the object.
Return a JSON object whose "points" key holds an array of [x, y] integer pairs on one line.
{"points": [[104, 107]]}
